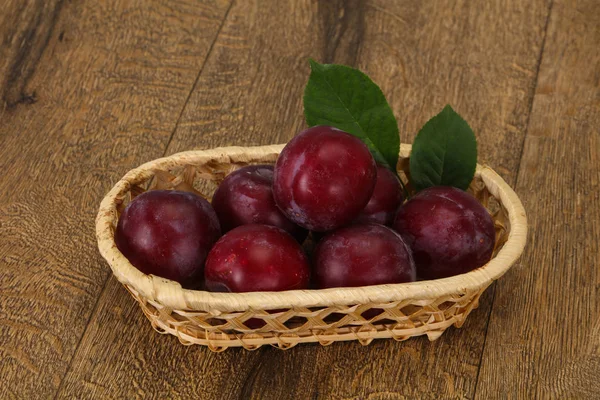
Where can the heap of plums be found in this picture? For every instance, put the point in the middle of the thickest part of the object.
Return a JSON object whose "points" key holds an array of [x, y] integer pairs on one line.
{"points": [[325, 182]]}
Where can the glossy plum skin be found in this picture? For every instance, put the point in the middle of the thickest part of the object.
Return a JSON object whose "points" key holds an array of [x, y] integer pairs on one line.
{"points": [[253, 258], [362, 255], [245, 197], [168, 233], [323, 178], [448, 230], [385, 200]]}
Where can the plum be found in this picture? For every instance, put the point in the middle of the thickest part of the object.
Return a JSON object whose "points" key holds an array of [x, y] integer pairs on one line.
{"points": [[448, 230], [362, 255], [387, 197], [256, 257], [323, 178], [168, 233], [246, 197]]}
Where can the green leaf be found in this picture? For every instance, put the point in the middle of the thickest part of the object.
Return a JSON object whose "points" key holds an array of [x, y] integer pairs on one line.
{"points": [[347, 99], [444, 152]]}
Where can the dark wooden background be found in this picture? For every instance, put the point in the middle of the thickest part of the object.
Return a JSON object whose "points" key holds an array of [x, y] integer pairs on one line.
{"points": [[89, 90]]}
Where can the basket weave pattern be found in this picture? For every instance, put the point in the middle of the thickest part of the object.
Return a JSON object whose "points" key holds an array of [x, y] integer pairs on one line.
{"points": [[284, 319]]}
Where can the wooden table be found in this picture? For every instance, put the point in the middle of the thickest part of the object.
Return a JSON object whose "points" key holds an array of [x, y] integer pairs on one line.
{"points": [[90, 90]]}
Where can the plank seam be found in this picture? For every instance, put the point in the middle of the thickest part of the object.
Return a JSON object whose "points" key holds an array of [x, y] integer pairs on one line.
{"points": [[210, 50], [534, 89], [92, 314]]}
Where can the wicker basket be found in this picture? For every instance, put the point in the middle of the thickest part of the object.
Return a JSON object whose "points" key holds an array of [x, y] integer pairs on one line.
{"points": [[219, 320]]}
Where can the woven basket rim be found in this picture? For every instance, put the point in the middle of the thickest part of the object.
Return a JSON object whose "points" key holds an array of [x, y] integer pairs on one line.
{"points": [[171, 295]]}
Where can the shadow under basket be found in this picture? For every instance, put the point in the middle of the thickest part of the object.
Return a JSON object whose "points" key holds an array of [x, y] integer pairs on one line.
{"points": [[284, 319]]}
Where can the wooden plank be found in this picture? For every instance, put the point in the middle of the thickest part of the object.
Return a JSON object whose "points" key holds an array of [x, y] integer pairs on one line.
{"points": [[424, 54], [87, 91], [249, 93], [544, 334]]}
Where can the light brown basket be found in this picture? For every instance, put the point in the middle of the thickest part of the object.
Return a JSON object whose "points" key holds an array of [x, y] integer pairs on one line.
{"points": [[218, 320]]}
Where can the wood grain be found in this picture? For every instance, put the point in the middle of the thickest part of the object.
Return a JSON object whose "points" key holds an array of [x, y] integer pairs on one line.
{"points": [[87, 92], [27, 30], [424, 54], [544, 334]]}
